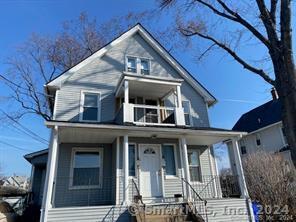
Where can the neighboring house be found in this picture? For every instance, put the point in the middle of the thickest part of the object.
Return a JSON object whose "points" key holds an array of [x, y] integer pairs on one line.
{"points": [[129, 121], [265, 130], [16, 181], [38, 160]]}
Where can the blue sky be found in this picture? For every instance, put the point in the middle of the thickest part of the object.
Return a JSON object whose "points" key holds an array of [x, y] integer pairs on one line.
{"points": [[236, 89]]}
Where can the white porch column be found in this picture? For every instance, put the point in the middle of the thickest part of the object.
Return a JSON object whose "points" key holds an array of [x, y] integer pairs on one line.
{"points": [[125, 170], [118, 176], [242, 180], [186, 167], [179, 112], [179, 97], [50, 174], [239, 168], [126, 92]]}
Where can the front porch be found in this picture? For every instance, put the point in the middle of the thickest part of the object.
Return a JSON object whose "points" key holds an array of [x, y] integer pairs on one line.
{"points": [[163, 165]]}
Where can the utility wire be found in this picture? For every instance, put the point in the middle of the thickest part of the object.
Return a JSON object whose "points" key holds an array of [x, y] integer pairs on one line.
{"points": [[26, 130], [15, 147]]}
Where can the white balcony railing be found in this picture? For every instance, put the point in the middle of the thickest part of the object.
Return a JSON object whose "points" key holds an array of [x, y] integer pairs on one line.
{"points": [[152, 115]]}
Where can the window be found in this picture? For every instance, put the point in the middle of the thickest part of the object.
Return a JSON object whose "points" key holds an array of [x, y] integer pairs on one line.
{"points": [[145, 67], [258, 141], [131, 64], [194, 165], [243, 150], [186, 106], [90, 107], [132, 159], [137, 65], [86, 167], [169, 157], [243, 147]]}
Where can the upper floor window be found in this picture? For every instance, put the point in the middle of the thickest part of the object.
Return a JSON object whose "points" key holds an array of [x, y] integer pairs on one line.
{"points": [[86, 167], [145, 67], [137, 65], [90, 106], [258, 140], [131, 64], [187, 115]]}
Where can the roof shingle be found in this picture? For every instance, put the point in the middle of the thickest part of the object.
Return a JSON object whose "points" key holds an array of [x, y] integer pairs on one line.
{"points": [[262, 116]]}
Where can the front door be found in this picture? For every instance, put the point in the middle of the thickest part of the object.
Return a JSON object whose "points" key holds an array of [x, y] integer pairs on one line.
{"points": [[150, 170]]}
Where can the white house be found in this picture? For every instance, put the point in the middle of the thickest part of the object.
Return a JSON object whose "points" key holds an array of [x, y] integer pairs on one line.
{"points": [[16, 181], [265, 130], [131, 122]]}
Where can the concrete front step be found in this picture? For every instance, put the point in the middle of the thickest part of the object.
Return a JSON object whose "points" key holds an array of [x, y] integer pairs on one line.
{"points": [[160, 218]]}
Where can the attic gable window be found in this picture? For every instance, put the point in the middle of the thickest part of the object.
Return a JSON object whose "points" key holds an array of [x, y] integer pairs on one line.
{"points": [[90, 106], [131, 64], [145, 67], [137, 65]]}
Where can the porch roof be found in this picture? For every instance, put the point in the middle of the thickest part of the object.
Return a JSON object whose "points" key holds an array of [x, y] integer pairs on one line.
{"points": [[107, 132], [146, 85]]}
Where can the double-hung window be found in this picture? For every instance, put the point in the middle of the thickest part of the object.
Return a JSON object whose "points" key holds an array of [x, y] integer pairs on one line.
{"points": [[187, 115], [145, 70], [131, 64], [137, 65], [86, 168], [90, 106], [132, 159], [169, 157], [194, 165]]}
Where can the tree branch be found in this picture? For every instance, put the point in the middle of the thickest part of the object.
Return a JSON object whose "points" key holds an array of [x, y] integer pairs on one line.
{"points": [[234, 16], [273, 5], [270, 27], [260, 72]]}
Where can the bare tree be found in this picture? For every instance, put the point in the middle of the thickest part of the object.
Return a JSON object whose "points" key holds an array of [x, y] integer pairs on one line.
{"points": [[234, 27], [42, 58], [272, 182]]}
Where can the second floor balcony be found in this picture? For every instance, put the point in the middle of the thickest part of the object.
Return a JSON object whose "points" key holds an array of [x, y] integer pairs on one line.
{"points": [[148, 100]]}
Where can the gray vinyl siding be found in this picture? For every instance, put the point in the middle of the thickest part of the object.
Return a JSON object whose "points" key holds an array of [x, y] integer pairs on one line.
{"points": [[65, 197], [227, 210], [38, 184], [171, 185], [89, 214], [103, 74]]}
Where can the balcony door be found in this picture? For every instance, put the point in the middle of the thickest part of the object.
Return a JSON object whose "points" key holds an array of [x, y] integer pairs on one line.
{"points": [[150, 170], [151, 115]]}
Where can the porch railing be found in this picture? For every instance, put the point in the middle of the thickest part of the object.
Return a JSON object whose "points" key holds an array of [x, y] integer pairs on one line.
{"points": [[154, 114], [217, 186]]}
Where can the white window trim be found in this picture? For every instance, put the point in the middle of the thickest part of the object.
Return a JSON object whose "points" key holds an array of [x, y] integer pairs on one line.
{"points": [[136, 168], [149, 65], [82, 96], [138, 63], [126, 62], [199, 153], [176, 162], [81, 149], [190, 112]]}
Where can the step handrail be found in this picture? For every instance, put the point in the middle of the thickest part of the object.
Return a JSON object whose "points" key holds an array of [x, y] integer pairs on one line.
{"points": [[138, 191], [191, 187]]}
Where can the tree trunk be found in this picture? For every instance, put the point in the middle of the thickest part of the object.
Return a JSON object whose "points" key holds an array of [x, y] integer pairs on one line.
{"points": [[285, 73], [289, 119]]}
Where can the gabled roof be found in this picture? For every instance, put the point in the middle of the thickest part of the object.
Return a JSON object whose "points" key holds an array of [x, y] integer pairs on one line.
{"points": [[262, 116], [30, 156], [138, 28]]}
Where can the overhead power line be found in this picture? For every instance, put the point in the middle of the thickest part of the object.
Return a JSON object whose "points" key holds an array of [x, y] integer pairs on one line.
{"points": [[15, 147], [26, 130]]}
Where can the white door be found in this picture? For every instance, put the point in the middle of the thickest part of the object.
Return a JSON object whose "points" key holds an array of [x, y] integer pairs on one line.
{"points": [[150, 170]]}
